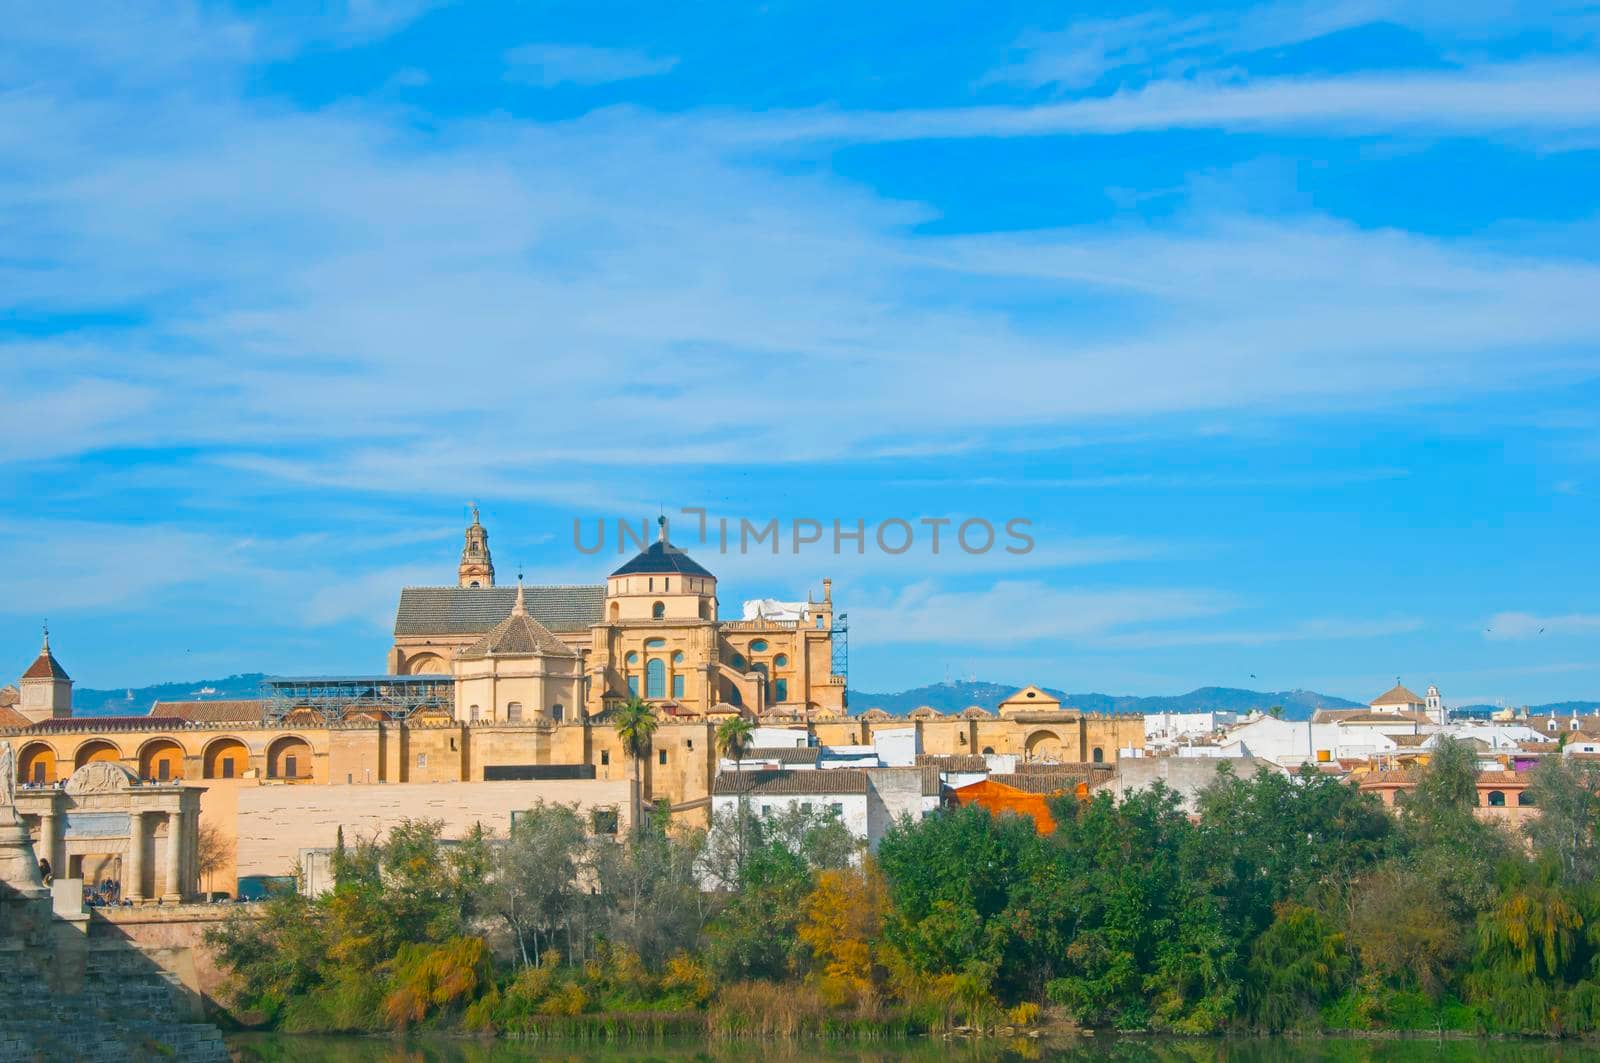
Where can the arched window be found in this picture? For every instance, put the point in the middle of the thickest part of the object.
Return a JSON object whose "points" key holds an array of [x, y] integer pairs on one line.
{"points": [[474, 583], [677, 658], [655, 678], [1525, 799], [161, 761], [616, 612], [514, 711], [37, 765], [1497, 799], [736, 662], [988, 751], [658, 611], [289, 758], [758, 646], [1098, 756], [780, 690], [781, 661], [557, 712], [632, 658]]}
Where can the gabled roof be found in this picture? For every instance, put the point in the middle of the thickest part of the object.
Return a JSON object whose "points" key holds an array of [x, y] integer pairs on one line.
{"points": [[783, 754], [779, 783], [955, 762], [662, 557], [474, 610], [240, 711], [1397, 695], [10, 718], [518, 635]]}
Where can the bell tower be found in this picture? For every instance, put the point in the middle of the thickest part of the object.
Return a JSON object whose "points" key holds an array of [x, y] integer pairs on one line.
{"points": [[476, 568], [46, 687]]}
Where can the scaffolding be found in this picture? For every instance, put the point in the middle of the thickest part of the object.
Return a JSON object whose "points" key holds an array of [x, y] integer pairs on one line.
{"points": [[333, 698], [840, 633]]}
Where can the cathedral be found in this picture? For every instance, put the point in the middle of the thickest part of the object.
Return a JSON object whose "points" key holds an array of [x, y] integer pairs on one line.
{"points": [[652, 630]]}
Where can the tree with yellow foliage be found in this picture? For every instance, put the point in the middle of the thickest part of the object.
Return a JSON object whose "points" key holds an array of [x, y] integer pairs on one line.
{"points": [[841, 920]]}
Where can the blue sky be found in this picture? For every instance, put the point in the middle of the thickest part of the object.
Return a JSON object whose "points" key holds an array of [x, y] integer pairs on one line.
{"points": [[1280, 323]]}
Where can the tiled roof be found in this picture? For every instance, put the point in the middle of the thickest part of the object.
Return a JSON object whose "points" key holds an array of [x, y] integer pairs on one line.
{"points": [[1397, 695], [1041, 783], [662, 557], [1385, 717], [1071, 767], [518, 635], [1409, 740], [10, 718], [783, 754], [823, 781], [251, 711], [45, 666], [474, 610], [111, 723], [953, 761]]}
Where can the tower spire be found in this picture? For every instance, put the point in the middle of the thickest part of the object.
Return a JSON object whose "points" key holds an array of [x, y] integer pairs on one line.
{"points": [[519, 608], [477, 567]]}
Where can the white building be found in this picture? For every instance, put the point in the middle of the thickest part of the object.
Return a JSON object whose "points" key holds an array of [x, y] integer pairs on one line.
{"points": [[1186, 724], [867, 800]]}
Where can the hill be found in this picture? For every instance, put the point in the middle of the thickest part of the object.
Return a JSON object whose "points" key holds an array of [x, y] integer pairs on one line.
{"points": [[136, 701], [954, 696]]}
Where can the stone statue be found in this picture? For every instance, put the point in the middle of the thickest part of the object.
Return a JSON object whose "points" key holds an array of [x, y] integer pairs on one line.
{"points": [[8, 776]]}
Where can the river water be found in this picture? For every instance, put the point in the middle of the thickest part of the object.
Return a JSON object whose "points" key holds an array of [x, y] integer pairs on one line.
{"points": [[283, 1048]]}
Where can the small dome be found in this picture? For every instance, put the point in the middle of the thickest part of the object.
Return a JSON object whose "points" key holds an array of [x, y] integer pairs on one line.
{"points": [[661, 557]]}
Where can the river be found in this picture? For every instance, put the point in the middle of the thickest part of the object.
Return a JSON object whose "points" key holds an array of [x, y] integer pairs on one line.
{"points": [[284, 1048]]}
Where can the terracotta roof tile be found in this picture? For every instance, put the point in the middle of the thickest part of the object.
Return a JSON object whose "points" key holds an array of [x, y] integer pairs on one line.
{"points": [[953, 761], [10, 718], [783, 754], [1397, 695], [45, 666], [242, 711], [821, 781]]}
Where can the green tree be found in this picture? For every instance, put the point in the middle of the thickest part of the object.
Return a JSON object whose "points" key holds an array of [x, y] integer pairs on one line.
{"points": [[1299, 963], [532, 879], [734, 736], [636, 725], [1567, 795]]}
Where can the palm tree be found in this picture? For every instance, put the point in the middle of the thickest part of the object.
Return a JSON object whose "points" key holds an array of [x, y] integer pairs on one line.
{"points": [[734, 736], [636, 727]]}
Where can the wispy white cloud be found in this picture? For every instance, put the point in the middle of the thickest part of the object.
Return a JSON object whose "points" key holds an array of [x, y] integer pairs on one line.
{"points": [[1158, 44], [1513, 626], [550, 65], [1547, 100]]}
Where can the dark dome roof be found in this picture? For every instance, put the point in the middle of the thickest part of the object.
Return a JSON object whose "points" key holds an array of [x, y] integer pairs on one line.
{"points": [[662, 556]]}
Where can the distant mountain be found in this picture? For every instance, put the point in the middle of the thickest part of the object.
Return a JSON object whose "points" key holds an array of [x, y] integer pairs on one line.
{"points": [[1560, 708], [952, 697], [136, 701]]}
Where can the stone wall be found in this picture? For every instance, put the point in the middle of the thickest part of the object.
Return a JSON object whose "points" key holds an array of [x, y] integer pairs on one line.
{"points": [[316, 813], [66, 995]]}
